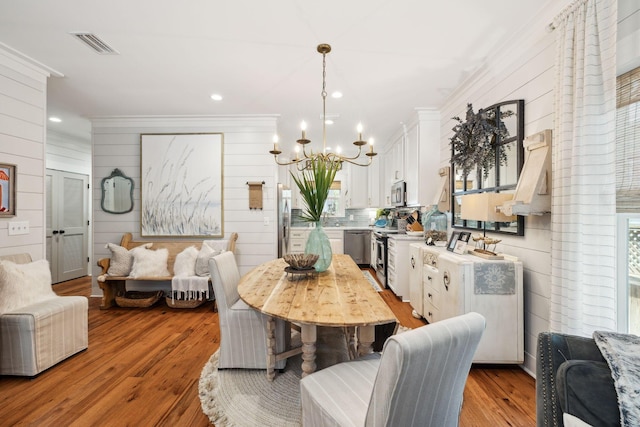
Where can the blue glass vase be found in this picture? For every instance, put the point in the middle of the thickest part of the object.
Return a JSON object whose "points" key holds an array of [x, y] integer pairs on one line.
{"points": [[318, 243]]}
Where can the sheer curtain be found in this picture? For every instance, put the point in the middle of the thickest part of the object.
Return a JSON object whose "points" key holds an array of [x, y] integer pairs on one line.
{"points": [[583, 155]]}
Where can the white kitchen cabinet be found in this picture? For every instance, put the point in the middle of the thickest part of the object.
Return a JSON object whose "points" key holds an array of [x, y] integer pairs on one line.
{"points": [[357, 186], [456, 284], [416, 297], [297, 239], [299, 235], [373, 182], [399, 264], [373, 255], [414, 156], [336, 238]]}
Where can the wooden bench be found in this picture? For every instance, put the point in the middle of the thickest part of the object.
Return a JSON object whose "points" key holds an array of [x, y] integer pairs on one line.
{"points": [[116, 285]]}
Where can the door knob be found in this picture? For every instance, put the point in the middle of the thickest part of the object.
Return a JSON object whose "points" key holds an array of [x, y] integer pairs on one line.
{"points": [[55, 232]]}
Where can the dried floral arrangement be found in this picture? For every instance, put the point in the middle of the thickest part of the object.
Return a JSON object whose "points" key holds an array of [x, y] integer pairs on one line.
{"points": [[474, 140]]}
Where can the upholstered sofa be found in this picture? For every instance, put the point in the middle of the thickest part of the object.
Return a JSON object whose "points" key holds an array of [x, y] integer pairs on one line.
{"points": [[38, 328], [574, 380]]}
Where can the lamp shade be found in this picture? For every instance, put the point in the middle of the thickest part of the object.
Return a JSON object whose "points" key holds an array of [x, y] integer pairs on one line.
{"points": [[482, 207]]}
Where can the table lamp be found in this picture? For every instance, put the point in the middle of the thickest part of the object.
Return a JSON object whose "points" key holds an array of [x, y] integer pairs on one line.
{"points": [[483, 207]]}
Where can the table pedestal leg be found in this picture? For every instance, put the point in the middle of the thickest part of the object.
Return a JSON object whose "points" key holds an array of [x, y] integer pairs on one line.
{"points": [[366, 337], [308, 336], [271, 348]]}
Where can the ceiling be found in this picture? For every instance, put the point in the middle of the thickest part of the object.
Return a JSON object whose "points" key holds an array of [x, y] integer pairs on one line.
{"points": [[388, 57]]}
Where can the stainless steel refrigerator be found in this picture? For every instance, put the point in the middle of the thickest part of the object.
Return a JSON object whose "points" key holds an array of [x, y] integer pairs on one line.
{"points": [[284, 219]]}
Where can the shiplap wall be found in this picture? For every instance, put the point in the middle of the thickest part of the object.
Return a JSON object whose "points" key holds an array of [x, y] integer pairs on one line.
{"points": [[526, 74], [23, 99], [116, 144]]}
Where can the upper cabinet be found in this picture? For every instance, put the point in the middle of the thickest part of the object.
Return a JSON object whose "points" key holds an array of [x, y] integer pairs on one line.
{"points": [[414, 156], [357, 186]]}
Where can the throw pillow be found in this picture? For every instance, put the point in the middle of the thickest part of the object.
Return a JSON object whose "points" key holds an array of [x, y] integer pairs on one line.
{"points": [[208, 250], [149, 263], [185, 263], [24, 284], [121, 260]]}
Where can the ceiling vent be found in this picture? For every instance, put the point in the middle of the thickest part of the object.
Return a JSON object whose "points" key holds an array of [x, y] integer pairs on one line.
{"points": [[94, 42]]}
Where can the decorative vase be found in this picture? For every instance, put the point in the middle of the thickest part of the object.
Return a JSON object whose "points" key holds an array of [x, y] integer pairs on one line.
{"points": [[318, 243]]}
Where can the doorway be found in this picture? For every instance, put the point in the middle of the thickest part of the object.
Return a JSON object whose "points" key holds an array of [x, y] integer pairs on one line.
{"points": [[67, 225]]}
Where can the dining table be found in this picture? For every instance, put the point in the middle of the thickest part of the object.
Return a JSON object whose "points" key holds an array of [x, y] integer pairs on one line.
{"points": [[341, 297]]}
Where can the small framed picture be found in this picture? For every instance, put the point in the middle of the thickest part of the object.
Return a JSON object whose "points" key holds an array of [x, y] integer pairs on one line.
{"points": [[453, 240], [7, 190], [461, 244]]}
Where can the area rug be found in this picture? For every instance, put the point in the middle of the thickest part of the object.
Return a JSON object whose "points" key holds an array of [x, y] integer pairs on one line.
{"points": [[372, 280], [244, 397]]}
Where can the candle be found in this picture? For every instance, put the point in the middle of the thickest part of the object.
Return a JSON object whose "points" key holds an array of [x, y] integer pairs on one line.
{"points": [[359, 131], [371, 145], [303, 126]]}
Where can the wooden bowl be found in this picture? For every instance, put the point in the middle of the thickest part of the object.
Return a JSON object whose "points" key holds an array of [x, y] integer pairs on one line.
{"points": [[301, 261]]}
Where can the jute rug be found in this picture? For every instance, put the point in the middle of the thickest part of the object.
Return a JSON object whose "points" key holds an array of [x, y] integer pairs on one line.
{"points": [[244, 397]]}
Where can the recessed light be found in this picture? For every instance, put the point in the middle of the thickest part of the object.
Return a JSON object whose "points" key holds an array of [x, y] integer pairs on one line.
{"points": [[216, 97], [336, 94], [55, 119]]}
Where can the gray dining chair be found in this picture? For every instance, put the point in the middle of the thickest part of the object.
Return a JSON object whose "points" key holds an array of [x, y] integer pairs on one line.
{"points": [[243, 330], [417, 381]]}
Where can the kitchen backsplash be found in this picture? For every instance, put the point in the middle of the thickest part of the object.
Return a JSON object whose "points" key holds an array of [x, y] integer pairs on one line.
{"points": [[352, 218]]}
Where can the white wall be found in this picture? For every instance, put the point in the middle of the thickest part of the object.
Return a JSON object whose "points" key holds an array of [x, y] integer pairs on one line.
{"points": [[23, 96], [116, 144]]}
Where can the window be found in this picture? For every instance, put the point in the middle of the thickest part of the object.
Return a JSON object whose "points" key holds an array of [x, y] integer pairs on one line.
{"points": [[501, 171]]}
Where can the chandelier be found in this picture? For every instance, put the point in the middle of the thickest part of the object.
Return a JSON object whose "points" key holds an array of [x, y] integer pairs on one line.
{"points": [[325, 156]]}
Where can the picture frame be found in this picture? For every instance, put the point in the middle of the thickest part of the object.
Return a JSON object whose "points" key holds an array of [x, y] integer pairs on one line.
{"points": [[464, 236], [181, 186], [461, 244], [452, 241], [8, 180]]}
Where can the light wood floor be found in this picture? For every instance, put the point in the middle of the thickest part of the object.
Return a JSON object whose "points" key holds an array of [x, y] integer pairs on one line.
{"points": [[142, 368]]}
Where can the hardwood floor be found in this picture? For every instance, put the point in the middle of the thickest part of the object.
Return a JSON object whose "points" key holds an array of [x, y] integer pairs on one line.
{"points": [[142, 368]]}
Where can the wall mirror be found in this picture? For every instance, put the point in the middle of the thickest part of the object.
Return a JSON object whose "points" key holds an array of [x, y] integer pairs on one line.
{"points": [[117, 193], [500, 174]]}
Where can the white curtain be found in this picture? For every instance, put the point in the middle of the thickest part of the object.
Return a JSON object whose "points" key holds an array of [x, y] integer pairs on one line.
{"points": [[583, 155]]}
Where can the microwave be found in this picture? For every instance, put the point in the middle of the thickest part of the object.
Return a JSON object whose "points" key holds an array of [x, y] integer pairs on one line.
{"points": [[399, 193]]}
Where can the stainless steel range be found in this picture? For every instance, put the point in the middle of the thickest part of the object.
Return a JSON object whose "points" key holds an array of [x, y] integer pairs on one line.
{"points": [[381, 235]]}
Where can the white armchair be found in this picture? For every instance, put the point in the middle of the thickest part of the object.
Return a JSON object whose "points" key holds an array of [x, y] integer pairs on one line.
{"points": [[418, 381], [37, 327], [243, 330]]}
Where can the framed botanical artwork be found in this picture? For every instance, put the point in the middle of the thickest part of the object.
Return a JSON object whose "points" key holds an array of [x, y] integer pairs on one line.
{"points": [[453, 240], [7, 190], [181, 188]]}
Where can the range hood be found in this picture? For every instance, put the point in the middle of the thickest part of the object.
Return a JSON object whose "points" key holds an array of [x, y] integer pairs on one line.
{"points": [[533, 192]]}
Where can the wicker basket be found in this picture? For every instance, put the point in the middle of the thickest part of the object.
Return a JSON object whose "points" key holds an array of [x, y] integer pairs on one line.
{"points": [[176, 302], [138, 299]]}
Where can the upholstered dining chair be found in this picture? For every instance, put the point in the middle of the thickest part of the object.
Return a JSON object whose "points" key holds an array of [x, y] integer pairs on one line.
{"points": [[243, 330], [417, 381]]}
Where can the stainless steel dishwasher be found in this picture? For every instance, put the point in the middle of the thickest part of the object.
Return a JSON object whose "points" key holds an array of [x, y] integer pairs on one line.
{"points": [[357, 244]]}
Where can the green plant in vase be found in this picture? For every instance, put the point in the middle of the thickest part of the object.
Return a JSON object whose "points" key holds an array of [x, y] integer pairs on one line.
{"points": [[314, 183]]}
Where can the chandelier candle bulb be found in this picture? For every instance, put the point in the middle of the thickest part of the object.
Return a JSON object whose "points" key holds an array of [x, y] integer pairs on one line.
{"points": [[303, 126]]}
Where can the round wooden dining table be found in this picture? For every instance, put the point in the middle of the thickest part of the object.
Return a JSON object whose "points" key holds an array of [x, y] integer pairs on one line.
{"points": [[338, 297]]}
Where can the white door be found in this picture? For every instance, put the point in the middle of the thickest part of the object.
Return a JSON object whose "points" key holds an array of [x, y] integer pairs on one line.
{"points": [[67, 224]]}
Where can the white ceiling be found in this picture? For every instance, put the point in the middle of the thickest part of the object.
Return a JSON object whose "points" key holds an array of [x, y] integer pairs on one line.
{"points": [[388, 57]]}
